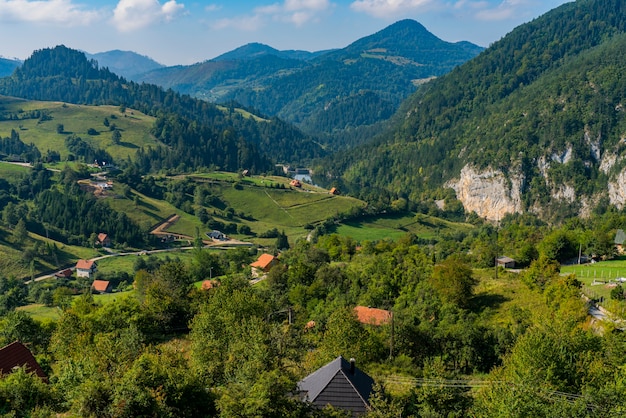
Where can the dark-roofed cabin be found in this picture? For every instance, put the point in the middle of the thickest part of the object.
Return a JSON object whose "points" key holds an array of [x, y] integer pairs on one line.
{"points": [[339, 384], [506, 262], [17, 355]]}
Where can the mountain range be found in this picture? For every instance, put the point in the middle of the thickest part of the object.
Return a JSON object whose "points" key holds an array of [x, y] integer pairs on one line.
{"points": [[335, 94], [535, 123]]}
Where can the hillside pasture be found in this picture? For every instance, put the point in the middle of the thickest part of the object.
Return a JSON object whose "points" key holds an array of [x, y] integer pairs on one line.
{"points": [[76, 119], [12, 172], [394, 226]]}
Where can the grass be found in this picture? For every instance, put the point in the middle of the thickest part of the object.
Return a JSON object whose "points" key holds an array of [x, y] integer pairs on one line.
{"points": [[41, 312], [12, 172], [78, 119], [126, 263], [599, 279], [500, 300], [394, 226]]}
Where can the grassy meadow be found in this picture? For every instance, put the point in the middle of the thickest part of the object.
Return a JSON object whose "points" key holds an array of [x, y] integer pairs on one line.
{"points": [[599, 279], [77, 119]]}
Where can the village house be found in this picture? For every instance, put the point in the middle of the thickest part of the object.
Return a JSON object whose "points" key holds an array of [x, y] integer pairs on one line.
{"points": [[506, 262], [16, 355], [85, 268], [64, 274], [101, 286], [339, 384], [372, 316], [264, 263], [104, 239], [295, 183]]}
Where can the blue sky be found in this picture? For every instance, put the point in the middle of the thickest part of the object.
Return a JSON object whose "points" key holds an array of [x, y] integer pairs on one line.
{"points": [[188, 31]]}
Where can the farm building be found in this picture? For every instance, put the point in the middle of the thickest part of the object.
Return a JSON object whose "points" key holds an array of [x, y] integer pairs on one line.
{"points": [[620, 237], [506, 262]]}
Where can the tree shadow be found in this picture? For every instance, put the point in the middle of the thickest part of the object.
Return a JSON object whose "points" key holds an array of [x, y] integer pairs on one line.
{"points": [[480, 302], [128, 145]]}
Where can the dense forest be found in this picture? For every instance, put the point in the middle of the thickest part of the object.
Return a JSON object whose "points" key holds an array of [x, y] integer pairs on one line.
{"points": [[551, 88]]}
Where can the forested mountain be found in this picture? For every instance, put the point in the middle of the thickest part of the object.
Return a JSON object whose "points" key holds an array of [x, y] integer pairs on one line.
{"points": [[126, 64], [7, 66], [535, 123], [255, 50], [340, 95], [195, 132]]}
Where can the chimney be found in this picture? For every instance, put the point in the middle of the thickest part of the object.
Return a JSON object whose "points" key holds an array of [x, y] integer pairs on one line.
{"points": [[352, 365]]}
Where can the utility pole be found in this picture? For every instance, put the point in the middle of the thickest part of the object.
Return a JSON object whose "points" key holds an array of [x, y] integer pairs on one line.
{"points": [[391, 338]]}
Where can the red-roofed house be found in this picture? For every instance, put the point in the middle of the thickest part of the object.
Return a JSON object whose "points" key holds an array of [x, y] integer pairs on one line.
{"points": [[209, 284], [63, 274], [101, 286], [17, 355], [85, 268], [104, 240], [372, 316], [265, 262], [334, 191], [295, 183]]}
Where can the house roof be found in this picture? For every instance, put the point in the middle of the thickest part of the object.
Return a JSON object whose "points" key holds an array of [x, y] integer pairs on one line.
{"points": [[620, 237], [209, 284], [102, 237], [334, 190], [372, 316], [318, 384], [263, 261], [505, 259], [17, 355], [100, 285], [64, 273], [85, 264]]}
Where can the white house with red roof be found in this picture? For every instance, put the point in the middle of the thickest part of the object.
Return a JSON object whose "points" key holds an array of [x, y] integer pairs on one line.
{"points": [[85, 268]]}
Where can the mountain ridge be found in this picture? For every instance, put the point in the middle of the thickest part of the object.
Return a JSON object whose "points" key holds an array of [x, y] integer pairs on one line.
{"points": [[535, 112]]}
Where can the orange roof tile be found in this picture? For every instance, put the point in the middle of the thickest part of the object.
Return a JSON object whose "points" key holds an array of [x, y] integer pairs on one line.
{"points": [[85, 264], [100, 285], [264, 261], [372, 316]]}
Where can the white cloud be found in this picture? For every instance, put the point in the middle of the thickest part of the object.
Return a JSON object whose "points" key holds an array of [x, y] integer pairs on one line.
{"points": [[63, 12], [213, 8], [242, 23], [130, 15], [391, 8], [297, 12], [506, 10], [485, 10]]}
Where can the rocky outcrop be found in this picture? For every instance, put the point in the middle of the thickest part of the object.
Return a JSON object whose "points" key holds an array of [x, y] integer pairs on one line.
{"points": [[617, 190], [488, 193]]}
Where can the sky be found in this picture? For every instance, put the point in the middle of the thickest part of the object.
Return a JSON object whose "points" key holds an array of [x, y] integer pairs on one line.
{"points": [[183, 32]]}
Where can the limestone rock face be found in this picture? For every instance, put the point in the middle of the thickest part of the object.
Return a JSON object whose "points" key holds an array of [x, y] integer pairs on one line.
{"points": [[488, 193], [617, 190]]}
